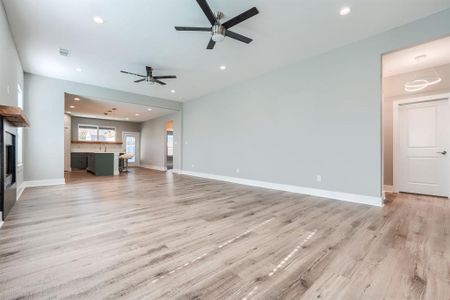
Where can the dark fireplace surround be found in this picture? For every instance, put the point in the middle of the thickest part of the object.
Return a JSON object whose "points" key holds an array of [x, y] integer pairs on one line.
{"points": [[11, 117], [8, 154]]}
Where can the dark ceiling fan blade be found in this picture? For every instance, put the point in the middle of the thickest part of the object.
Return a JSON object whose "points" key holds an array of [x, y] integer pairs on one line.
{"points": [[125, 72], [211, 44], [139, 80], [207, 11], [184, 28], [165, 77], [159, 81], [238, 37], [241, 18]]}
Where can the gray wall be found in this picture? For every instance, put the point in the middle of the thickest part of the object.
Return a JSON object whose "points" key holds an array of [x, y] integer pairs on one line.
{"points": [[44, 105], [321, 116], [11, 73], [393, 89], [120, 126], [153, 141]]}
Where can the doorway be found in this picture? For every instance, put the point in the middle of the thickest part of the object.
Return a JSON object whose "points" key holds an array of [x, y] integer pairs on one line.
{"points": [[416, 119], [169, 145], [421, 143], [131, 142]]}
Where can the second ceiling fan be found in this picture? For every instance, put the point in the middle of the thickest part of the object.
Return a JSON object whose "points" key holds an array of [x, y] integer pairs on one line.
{"points": [[220, 30]]}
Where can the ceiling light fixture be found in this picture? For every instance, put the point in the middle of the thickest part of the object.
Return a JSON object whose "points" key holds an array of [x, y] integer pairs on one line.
{"points": [[76, 99], [223, 67], [72, 106], [137, 115], [421, 83], [149, 109], [99, 20], [68, 112], [173, 91], [345, 11], [78, 69]]}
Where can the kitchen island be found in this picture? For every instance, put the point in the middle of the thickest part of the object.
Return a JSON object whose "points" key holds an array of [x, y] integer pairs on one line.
{"points": [[97, 163]]}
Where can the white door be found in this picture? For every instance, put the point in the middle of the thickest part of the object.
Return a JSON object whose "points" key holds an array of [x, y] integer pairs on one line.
{"points": [[424, 134], [131, 144]]}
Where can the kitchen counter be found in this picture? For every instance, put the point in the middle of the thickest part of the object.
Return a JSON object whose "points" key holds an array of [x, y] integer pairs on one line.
{"points": [[98, 163]]}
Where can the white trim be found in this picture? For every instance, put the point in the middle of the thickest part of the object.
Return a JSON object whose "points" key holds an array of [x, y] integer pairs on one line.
{"points": [[158, 168], [395, 109], [370, 200], [177, 171], [20, 190], [45, 182], [1, 218], [388, 188]]}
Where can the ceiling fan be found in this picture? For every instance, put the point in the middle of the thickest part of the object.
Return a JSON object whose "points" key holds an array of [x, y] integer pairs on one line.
{"points": [[220, 30], [149, 77]]}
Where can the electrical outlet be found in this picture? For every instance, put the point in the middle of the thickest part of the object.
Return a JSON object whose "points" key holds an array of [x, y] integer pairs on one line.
{"points": [[8, 89], [237, 170], [319, 178], [193, 166], [186, 142]]}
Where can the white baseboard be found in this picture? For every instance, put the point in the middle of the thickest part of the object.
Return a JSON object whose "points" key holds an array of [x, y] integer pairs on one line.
{"points": [[388, 188], [158, 168], [369, 200], [177, 171], [20, 190], [45, 182]]}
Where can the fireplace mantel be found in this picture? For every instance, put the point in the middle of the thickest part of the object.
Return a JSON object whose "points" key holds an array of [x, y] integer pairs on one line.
{"points": [[14, 115]]}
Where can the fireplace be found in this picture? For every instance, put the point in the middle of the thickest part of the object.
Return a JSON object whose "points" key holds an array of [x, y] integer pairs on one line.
{"points": [[8, 189], [10, 118]]}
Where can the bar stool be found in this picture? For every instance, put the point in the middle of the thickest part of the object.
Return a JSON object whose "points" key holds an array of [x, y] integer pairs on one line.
{"points": [[125, 157]]}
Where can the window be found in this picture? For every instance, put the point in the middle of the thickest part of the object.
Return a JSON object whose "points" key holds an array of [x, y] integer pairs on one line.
{"points": [[96, 133]]}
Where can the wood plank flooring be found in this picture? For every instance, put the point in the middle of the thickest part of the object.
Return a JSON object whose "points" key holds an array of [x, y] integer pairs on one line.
{"points": [[152, 235]]}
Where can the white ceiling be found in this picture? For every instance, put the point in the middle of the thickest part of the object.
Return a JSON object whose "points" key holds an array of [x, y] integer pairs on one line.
{"points": [[437, 54], [95, 108], [140, 32]]}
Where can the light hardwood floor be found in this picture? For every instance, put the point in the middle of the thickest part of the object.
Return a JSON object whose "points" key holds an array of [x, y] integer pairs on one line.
{"points": [[151, 235]]}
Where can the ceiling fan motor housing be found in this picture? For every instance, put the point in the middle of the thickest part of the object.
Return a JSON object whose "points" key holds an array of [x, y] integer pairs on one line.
{"points": [[218, 32]]}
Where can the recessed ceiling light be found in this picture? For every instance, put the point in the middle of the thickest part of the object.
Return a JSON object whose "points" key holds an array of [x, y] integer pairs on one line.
{"points": [[99, 20], [345, 11], [76, 99], [68, 112], [223, 67], [149, 109], [78, 69], [72, 106], [137, 115], [127, 118], [173, 91]]}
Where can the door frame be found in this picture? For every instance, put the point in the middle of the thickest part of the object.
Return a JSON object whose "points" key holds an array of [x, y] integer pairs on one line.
{"points": [[395, 147], [138, 147]]}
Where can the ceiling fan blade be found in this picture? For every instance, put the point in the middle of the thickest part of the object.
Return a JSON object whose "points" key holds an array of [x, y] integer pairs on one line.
{"points": [[241, 18], [211, 44], [238, 37], [159, 81], [165, 77], [125, 72], [184, 28], [207, 11], [139, 80]]}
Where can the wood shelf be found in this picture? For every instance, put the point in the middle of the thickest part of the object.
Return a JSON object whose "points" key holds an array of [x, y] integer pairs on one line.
{"points": [[97, 142], [14, 115]]}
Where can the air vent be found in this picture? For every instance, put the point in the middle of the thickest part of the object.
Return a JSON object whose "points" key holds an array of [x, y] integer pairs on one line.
{"points": [[64, 52]]}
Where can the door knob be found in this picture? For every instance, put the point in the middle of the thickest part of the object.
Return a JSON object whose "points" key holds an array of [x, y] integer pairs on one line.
{"points": [[443, 152]]}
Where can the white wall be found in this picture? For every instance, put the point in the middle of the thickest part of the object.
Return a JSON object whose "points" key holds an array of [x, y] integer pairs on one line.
{"points": [[11, 73], [44, 105], [321, 116], [153, 141]]}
